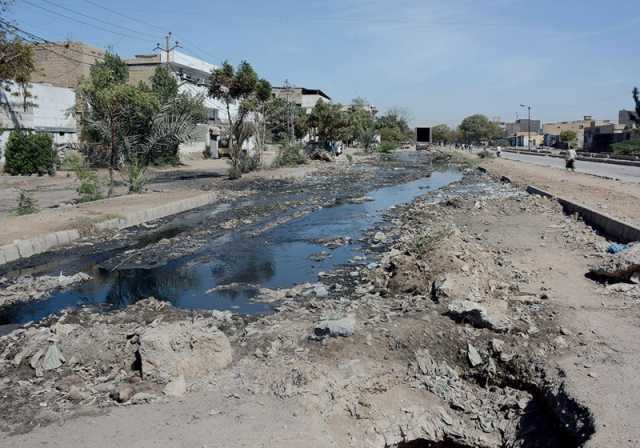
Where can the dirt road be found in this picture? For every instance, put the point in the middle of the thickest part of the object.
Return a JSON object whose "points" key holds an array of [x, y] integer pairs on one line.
{"points": [[616, 198]]}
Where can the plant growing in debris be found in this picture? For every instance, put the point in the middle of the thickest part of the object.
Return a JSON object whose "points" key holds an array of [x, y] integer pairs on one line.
{"points": [[91, 186], [238, 88], [27, 204], [290, 155], [136, 175]]}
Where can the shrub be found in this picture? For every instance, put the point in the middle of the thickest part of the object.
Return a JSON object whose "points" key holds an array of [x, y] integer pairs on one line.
{"points": [[486, 154], [136, 176], [30, 153], [290, 155], [350, 158], [27, 204], [245, 163], [71, 161], [628, 148], [386, 147], [91, 185]]}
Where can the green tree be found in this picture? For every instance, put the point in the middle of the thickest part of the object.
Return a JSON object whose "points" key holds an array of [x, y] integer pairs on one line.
{"points": [[394, 127], [239, 87], [568, 137], [16, 56], [29, 153], [443, 134], [328, 122], [478, 128], [163, 84], [635, 116]]}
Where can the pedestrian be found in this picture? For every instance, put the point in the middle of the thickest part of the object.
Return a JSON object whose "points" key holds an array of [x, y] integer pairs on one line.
{"points": [[498, 151], [571, 159]]}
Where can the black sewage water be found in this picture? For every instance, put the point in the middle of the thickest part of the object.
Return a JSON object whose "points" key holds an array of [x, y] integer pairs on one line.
{"points": [[279, 258]]}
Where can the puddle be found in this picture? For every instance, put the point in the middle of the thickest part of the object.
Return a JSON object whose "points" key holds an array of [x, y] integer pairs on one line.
{"points": [[278, 258]]}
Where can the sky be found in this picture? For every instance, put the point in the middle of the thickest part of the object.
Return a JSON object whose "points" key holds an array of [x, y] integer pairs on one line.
{"points": [[438, 60]]}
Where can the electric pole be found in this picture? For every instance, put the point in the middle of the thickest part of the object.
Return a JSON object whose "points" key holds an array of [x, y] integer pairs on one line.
{"points": [[529, 125], [289, 111], [168, 48]]}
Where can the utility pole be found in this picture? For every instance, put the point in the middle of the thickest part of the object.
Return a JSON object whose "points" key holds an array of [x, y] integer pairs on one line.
{"points": [[289, 111], [528, 124], [168, 48]]}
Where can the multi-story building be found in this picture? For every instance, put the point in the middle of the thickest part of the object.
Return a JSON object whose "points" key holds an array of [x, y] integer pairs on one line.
{"points": [[305, 98], [554, 130], [63, 64], [193, 77]]}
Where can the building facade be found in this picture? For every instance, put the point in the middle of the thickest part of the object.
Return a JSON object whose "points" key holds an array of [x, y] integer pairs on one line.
{"points": [[193, 78], [49, 110], [600, 137], [305, 98], [63, 64]]}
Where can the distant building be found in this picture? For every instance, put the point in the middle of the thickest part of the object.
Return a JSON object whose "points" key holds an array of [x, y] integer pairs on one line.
{"points": [[521, 125], [555, 129], [624, 118], [600, 136], [193, 77], [305, 98], [49, 110], [63, 64]]}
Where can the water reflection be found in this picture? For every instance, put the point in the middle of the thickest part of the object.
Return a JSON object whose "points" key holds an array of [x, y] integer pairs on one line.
{"points": [[278, 258]]}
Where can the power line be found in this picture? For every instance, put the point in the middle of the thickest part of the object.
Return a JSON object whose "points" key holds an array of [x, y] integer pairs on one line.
{"points": [[79, 21], [95, 18]]}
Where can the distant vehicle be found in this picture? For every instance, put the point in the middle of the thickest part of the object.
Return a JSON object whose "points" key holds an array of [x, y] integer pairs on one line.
{"points": [[424, 139]]}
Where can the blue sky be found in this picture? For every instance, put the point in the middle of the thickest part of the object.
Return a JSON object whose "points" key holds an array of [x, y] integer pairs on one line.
{"points": [[440, 60]]}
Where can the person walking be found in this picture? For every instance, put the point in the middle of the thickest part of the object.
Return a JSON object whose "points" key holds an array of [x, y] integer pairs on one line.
{"points": [[571, 159]]}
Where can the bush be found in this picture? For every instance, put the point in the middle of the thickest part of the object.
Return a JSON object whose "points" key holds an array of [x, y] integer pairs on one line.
{"points": [[30, 153], [91, 185], [486, 154], [71, 161], [290, 155], [136, 176], [26, 204], [628, 148], [387, 148]]}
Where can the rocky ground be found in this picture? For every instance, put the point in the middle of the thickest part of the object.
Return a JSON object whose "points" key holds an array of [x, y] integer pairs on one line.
{"points": [[475, 326]]}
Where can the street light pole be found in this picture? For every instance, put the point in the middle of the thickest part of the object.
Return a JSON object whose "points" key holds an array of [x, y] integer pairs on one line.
{"points": [[528, 125]]}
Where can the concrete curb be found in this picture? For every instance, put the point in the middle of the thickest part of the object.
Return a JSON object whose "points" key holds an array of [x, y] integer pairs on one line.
{"points": [[609, 226], [21, 249], [580, 158]]}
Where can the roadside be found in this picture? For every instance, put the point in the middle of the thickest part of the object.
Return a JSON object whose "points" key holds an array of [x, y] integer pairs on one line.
{"points": [[624, 173], [619, 199]]}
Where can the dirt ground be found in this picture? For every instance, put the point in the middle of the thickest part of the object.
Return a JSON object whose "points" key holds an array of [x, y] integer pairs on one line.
{"points": [[59, 210], [616, 198], [476, 326]]}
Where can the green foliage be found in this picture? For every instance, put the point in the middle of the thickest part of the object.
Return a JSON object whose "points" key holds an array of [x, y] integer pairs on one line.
{"points": [[71, 161], [387, 147], [394, 127], [164, 85], [635, 116], [628, 148], [29, 153], [350, 158], [329, 122], [478, 128], [443, 134], [91, 186], [240, 86], [108, 72], [361, 125], [276, 114], [290, 155], [568, 136], [27, 204], [136, 175]]}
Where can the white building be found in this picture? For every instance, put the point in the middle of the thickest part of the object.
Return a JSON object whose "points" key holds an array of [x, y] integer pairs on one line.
{"points": [[193, 77], [50, 110]]}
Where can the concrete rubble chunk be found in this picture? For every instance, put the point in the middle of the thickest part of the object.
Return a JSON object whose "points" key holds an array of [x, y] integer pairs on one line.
{"points": [[190, 349], [343, 327], [176, 387], [478, 315], [474, 356]]}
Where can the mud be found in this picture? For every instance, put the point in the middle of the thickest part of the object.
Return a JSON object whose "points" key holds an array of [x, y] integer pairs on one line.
{"points": [[391, 365]]}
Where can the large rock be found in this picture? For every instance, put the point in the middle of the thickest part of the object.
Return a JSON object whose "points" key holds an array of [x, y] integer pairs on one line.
{"points": [[191, 349], [343, 327], [621, 266], [478, 315]]}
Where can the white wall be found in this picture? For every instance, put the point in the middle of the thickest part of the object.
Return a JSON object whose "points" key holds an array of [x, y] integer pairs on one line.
{"points": [[52, 113]]}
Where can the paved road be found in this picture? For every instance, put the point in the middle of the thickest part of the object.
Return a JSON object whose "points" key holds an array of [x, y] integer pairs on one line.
{"points": [[624, 173]]}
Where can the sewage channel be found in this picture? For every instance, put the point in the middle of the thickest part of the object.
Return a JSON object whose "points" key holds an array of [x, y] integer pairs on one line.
{"points": [[279, 258]]}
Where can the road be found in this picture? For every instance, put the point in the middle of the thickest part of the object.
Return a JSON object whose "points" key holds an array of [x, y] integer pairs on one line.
{"points": [[622, 172]]}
